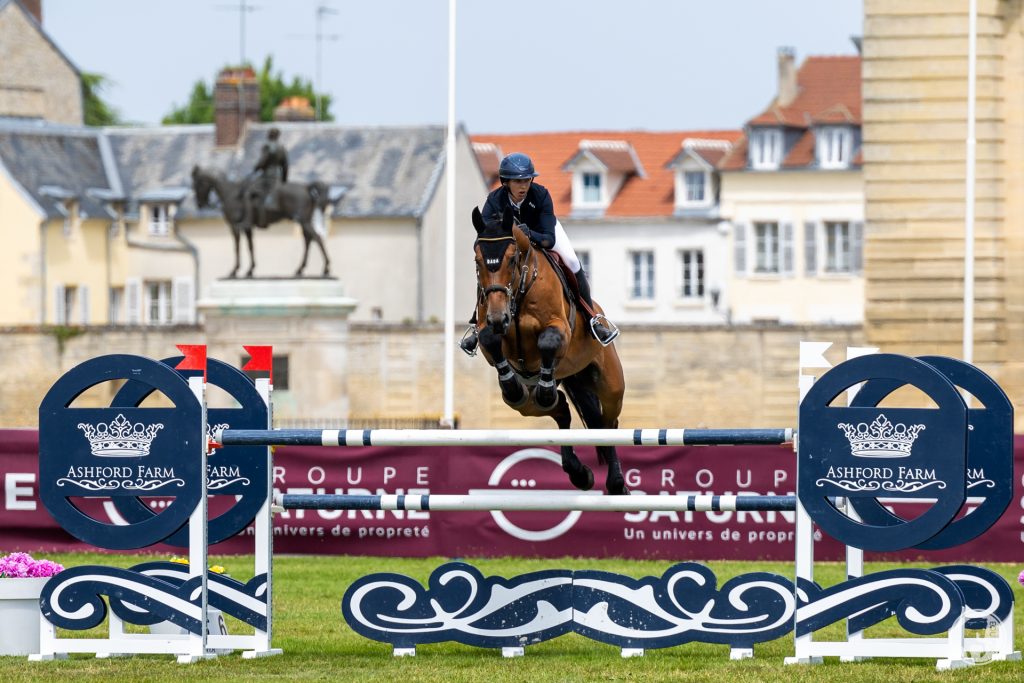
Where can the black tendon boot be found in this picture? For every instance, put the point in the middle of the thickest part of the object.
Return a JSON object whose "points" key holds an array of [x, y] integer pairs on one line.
{"points": [[469, 339], [603, 329]]}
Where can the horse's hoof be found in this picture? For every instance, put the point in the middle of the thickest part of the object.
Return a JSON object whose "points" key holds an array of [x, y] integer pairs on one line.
{"points": [[583, 479], [546, 399], [617, 487]]}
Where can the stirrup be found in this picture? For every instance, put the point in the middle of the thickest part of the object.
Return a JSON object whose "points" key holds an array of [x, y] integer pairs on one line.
{"points": [[613, 330], [470, 341]]}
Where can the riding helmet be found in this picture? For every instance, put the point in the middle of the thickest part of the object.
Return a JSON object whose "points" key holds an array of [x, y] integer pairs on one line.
{"points": [[516, 166]]}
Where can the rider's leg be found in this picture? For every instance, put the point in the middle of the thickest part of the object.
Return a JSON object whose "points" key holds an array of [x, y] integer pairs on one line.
{"points": [[469, 339], [564, 249]]}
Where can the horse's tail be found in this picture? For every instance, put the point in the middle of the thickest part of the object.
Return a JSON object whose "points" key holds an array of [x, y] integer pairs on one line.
{"points": [[320, 197]]}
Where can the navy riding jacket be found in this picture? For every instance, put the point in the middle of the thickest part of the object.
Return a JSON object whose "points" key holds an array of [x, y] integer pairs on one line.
{"points": [[536, 213]]}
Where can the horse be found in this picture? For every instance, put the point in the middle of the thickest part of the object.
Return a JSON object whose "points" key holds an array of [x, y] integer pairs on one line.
{"points": [[529, 333], [304, 204]]}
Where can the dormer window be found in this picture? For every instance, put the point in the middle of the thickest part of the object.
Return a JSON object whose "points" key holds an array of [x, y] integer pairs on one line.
{"points": [[591, 188], [599, 170], [159, 220], [765, 148], [834, 146], [696, 186]]}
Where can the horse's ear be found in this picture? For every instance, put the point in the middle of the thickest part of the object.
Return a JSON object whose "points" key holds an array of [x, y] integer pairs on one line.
{"points": [[478, 220]]}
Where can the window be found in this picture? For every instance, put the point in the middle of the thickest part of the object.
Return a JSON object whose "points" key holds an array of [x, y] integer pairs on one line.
{"points": [[765, 148], [834, 145], [592, 188], [158, 302], [159, 221], [280, 366], [64, 304], [643, 275], [692, 264], [695, 182], [584, 257], [766, 237], [838, 247], [116, 306]]}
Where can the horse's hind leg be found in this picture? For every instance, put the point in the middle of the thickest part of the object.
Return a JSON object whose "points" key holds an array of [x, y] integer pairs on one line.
{"points": [[305, 251], [252, 257], [596, 415], [512, 390]]}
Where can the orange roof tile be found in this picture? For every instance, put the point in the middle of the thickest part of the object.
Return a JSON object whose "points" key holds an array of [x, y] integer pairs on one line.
{"points": [[640, 196]]}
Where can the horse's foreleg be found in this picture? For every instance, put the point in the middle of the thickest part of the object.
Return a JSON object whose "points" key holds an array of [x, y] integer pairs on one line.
{"points": [[234, 271], [549, 342], [512, 390], [252, 258], [579, 474]]}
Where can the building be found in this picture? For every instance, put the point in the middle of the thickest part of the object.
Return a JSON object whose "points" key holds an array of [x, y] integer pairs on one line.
{"points": [[642, 210], [792, 191]]}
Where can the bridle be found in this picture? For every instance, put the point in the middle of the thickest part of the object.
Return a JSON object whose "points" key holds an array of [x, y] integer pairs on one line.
{"points": [[517, 286]]}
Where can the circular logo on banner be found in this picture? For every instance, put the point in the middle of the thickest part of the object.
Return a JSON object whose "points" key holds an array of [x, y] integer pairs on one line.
{"points": [[504, 480], [989, 454], [869, 452], [238, 472], [120, 452]]}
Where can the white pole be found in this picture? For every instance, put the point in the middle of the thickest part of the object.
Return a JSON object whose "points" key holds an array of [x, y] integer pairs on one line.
{"points": [[448, 418], [972, 58]]}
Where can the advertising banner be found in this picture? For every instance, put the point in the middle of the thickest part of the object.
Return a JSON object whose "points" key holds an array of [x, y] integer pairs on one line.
{"points": [[666, 471]]}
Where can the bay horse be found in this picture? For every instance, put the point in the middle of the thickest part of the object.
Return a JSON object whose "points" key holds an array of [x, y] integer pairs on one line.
{"points": [[530, 333], [304, 204]]}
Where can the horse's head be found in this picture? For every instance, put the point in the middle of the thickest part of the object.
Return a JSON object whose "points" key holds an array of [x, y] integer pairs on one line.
{"points": [[498, 250], [202, 184]]}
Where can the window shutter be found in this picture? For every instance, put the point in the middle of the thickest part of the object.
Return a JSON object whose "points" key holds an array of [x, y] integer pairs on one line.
{"points": [[810, 248], [740, 247], [857, 246], [133, 301], [787, 248], [183, 304], [59, 314], [83, 292]]}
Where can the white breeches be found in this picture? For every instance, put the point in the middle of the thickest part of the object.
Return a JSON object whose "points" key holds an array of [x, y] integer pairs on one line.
{"points": [[564, 248]]}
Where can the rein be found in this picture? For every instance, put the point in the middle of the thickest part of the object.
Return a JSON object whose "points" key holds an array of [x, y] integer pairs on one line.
{"points": [[515, 291]]}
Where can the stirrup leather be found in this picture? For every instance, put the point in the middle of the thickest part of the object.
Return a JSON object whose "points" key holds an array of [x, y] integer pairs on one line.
{"points": [[464, 342], [613, 329]]}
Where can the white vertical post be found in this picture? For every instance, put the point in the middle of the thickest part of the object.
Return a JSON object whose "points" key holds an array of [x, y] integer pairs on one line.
{"points": [[972, 58], [448, 417], [197, 547]]}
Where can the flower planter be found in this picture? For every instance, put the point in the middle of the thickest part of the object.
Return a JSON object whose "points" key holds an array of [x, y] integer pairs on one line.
{"points": [[19, 615]]}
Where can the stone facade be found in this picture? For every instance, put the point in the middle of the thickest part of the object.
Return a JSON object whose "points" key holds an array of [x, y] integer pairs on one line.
{"points": [[36, 80], [740, 376], [915, 71]]}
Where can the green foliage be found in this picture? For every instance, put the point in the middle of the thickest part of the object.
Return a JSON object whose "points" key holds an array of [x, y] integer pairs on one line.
{"points": [[96, 112], [274, 89]]}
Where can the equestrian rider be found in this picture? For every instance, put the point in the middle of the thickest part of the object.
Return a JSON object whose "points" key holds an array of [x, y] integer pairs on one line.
{"points": [[271, 169], [534, 211]]}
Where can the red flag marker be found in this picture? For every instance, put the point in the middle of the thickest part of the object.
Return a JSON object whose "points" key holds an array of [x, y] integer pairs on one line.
{"points": [[260, 358], [195, 358]]}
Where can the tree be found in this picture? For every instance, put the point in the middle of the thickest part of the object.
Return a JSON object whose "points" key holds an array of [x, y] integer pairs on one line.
{"points": [[273, 90], [95, 111]]}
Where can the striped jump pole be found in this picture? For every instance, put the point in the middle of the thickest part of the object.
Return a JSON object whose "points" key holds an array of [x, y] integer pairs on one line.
{"points": [[499, 437], [539, 501]]}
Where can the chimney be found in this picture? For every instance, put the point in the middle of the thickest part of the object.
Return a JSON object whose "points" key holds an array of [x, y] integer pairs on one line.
{"points": [[35, 8], [236, 99], [294, 109], [787, 77]]}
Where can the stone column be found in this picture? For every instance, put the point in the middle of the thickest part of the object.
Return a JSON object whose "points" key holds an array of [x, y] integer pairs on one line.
{"points": [[305, 320]]}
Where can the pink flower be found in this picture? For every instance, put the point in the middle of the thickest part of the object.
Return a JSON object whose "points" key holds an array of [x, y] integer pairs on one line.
{"points": [[24, 566], [1020, 579]]}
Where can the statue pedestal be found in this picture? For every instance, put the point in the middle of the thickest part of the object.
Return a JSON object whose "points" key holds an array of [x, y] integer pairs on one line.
{"points": [[305, 320]]}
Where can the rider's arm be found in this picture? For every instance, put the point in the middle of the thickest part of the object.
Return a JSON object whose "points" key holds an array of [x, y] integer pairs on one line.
{"points": [[543, 234]]}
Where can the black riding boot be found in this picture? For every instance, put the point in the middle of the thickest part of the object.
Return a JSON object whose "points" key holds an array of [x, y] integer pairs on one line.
{"points": [[470, 339], [603, 330]]}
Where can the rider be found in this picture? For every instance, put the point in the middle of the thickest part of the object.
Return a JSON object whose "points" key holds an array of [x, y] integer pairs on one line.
{"points": [[534, 211], [271, 169]]}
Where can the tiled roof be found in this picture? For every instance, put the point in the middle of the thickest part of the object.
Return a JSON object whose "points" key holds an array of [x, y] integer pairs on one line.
{"points": [[617, 156], [385, 171], [828, 92], [647, 196], [488, 155]]}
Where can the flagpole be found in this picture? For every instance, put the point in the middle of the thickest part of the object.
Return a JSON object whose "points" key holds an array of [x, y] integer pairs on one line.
{"points": [[972, 58], [448, 418]]}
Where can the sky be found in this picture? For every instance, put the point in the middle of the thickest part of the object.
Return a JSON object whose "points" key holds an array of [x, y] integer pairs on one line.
{"points": [[521, 66]]}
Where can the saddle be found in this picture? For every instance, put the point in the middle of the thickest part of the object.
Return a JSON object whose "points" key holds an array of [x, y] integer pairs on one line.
{"points": [[570, 288]]}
